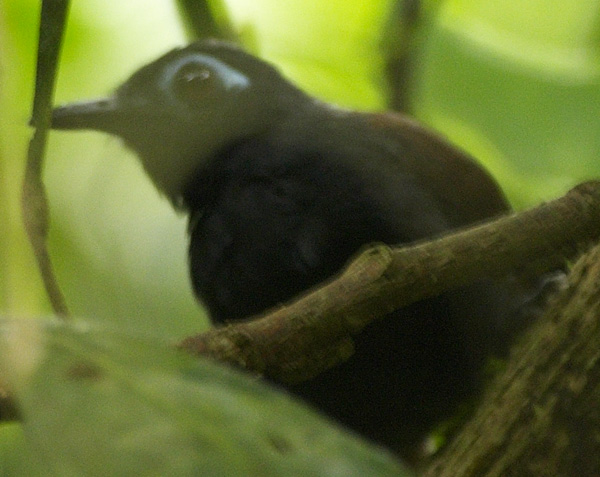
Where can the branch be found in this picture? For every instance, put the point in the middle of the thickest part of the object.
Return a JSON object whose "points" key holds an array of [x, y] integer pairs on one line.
{"points": [[206, 19], [540, 417], [34, 203], [299, 341]]}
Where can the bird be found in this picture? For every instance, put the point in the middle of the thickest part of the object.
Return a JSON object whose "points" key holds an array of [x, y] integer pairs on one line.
{"points": [[281, 189]]}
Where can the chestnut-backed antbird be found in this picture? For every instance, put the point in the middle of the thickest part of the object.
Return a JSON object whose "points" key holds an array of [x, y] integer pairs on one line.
{"points": [[282, 190]]}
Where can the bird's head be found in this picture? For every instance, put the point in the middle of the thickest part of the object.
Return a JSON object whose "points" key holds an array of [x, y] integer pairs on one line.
{"points": [[181, 110]]}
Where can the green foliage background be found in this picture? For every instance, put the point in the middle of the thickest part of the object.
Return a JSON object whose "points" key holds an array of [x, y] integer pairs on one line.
{"points": [[515, 82]]}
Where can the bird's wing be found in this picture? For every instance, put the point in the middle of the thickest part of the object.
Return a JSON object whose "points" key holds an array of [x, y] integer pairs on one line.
{"points": [[463, 189]]}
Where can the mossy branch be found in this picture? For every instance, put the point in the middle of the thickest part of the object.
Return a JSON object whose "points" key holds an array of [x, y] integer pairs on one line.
{"points": [[540, 417], [301, 340]]}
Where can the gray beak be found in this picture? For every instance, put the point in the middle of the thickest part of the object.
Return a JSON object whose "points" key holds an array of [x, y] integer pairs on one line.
{"points": [[100, 115]]}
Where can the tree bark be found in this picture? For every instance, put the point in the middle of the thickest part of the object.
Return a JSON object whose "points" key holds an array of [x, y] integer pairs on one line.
{"points": [[541, 417]]}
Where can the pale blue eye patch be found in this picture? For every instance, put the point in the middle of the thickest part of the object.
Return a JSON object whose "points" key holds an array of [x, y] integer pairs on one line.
{"points": [[231, 78]]}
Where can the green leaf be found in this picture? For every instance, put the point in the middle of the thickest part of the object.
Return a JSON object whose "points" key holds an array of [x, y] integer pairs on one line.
{"points": [[522, 77], [550, 35], [330, 49], [15, 456], [99, 402]]}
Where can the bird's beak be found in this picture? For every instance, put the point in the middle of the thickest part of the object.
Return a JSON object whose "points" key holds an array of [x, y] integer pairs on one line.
{"points": [[100, 115]]}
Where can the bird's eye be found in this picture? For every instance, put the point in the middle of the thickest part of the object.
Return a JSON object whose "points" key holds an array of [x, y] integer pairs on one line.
{"points": [[193, 83]]}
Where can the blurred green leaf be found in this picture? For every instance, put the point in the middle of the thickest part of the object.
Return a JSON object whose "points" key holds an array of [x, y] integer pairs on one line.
{"points": [[329, 48], [21, 290], [552, 35], [99, 402], [15, 455], [525, 78]]}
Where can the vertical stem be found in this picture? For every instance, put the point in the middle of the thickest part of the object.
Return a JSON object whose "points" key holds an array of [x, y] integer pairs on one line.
{"points": [[34, 202]]}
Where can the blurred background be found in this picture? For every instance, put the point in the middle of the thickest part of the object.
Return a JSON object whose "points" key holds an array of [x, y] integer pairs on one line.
{"points": [[514, 82]]}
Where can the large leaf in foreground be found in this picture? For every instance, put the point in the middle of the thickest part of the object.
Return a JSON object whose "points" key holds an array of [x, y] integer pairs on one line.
{"points": [[99, 402]]}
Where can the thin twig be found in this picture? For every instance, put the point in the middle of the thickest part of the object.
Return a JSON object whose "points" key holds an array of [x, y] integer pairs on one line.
{"points": [[33, 201], [207, 19]]}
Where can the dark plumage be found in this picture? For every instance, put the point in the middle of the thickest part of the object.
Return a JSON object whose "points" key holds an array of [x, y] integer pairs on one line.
{"points": [[282, 190]]}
